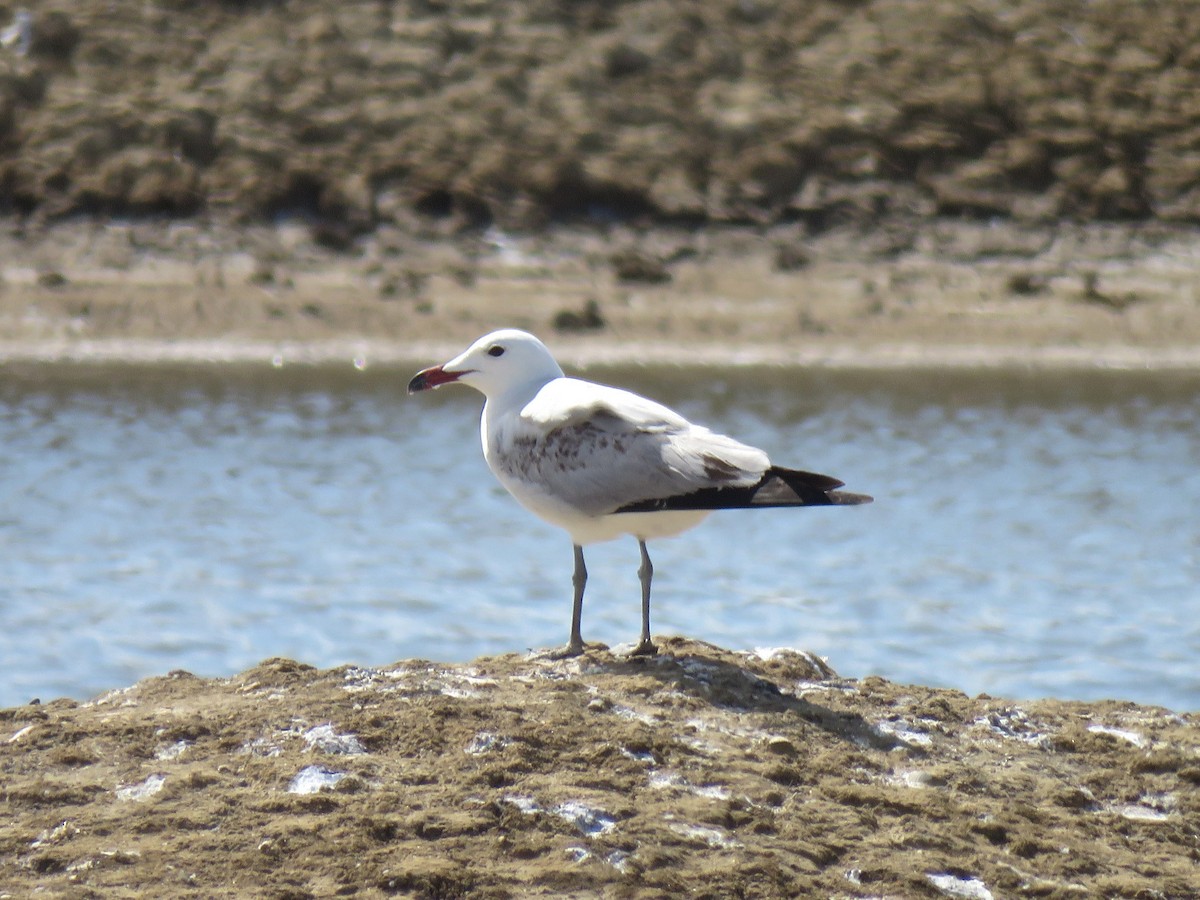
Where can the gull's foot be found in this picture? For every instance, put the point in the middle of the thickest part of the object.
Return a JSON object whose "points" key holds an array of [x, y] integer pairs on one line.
{"points": [[645, 648], [571, 650]]}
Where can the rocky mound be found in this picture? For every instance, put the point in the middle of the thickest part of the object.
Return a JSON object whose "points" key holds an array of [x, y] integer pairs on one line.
{"points": [[701, 773], [529, 112]]}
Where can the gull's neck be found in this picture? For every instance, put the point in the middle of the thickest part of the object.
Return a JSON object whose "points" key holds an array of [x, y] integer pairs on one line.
{"points": [[515, 397]]}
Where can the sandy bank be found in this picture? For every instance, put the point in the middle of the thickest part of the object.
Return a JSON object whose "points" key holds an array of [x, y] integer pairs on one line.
{"points": [[951, 293]]}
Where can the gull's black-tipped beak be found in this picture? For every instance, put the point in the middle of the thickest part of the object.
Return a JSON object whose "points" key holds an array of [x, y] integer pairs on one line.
{"points": [[434, 376]]}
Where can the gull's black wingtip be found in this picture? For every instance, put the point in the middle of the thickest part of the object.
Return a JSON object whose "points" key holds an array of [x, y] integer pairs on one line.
{"points": [[778, 487]]}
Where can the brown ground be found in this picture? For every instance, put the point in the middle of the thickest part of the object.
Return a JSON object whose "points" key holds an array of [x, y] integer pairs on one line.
{"points": [[701, 773], [371, 112]]}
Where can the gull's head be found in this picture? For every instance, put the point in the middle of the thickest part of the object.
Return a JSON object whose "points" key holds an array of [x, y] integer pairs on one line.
{"points": [[493, 365]]}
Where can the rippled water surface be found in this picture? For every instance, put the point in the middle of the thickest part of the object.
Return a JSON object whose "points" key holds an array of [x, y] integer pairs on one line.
{"points": [[1033, 534]]}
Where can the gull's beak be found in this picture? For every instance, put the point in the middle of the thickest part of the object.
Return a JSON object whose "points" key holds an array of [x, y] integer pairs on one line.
{"points": [[434, 376]]}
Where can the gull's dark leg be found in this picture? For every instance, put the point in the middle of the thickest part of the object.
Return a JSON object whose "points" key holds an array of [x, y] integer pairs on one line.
{"points": [[579, 580], [645, 646]]}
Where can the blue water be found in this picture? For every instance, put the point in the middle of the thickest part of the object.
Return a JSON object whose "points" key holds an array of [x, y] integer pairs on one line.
{"points": [[1033, 535]]}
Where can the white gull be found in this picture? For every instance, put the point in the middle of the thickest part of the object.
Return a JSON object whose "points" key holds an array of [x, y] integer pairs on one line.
{"points": [[601, 462]]}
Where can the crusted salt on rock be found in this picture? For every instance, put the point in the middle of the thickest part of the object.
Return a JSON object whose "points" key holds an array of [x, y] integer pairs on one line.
{"points": [[326, 739], [589, 820], [1014, 723], [712, 835], [1133, 737], [172, 751], [314, 779], [966, 887], [485, 742], [142, 790]]}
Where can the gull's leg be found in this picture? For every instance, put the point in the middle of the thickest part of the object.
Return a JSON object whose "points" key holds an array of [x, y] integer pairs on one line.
{"points": [[579, 580], [645, 646]]}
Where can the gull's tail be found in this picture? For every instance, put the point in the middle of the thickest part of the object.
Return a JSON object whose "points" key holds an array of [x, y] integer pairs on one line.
{"points": [[777, 487]]}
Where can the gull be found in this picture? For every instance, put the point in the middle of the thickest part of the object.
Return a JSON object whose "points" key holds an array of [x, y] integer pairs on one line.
{"points": [[601, 462]]}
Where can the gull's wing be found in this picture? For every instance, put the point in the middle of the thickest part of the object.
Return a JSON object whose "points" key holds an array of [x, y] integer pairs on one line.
{"points": [[597, 449]]}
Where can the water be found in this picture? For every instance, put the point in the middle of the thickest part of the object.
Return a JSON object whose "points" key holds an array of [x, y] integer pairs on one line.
{"points": [[1033, 535]]}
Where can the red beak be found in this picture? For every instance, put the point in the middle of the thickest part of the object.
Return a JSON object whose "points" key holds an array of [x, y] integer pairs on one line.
{"points": [[434, 376]]}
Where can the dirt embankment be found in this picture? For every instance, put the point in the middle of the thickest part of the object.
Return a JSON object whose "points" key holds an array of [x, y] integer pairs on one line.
{"points": [[701, 773], [524, 113]]}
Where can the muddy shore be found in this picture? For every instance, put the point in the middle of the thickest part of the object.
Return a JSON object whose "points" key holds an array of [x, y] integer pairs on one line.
{"points": [[941, 293], [700, 773]]}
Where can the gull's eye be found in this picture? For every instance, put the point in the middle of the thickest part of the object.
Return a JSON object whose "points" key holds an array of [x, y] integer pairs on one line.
{"points": [[497, 350]]}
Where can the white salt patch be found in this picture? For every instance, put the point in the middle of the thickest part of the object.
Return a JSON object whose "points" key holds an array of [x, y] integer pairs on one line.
{"points": [[20, 734], [955, 886], [327, 740], [804, 688], [699, 669], [111, 697], [713, 836], [701, 745], [1150, 808], [766, 654], [459, 685], [460, 693], [313, 779], [578, 854], [626, 712], [902, 731], [526, 805], [664, 779], [1015, 724], [261, 747], [172, 751], [472, 676], [1132, 736], [143, 789], [912, 778], [1141, 813], [360, 679], [587, 819], [485, 742], [619, 860]]}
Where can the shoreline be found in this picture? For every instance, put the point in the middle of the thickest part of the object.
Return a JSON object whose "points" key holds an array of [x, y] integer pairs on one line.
{"points": [[363, 354], [959, 295]]}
